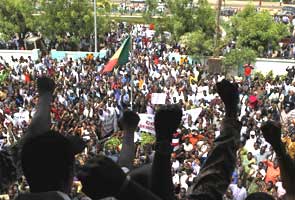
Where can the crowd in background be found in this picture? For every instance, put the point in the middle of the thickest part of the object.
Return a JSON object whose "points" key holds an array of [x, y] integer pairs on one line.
{"points": [[89, 104]]}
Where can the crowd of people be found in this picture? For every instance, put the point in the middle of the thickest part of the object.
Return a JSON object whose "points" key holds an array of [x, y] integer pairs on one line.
{"points": [[89, 104]]}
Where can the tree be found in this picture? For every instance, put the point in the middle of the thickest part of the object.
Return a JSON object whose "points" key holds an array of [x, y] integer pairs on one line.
{"points": [[75, 17], [16, 17], [197, 43], [257, 30], [151, 10], [186, 17], [238, 57]]}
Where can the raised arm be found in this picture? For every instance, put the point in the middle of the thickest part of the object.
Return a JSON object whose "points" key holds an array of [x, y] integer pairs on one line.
{"points": [[167, 120], [215, 175], [101, 178], [129, 124], [41, 121], [272, 134], [9, 160]]}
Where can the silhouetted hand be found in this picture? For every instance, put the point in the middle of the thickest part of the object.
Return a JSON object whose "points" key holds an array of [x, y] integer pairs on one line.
{"points": [[129, 121], [101, 177], [272, 133], [167, 120], [229, 94], [45, 85]]}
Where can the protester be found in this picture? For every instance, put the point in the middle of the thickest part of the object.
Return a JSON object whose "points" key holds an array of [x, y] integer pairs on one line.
{"points": [[89, 104]]}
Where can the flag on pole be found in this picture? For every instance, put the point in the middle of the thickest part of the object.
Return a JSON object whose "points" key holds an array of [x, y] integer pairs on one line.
{"points": [[120, 57]]}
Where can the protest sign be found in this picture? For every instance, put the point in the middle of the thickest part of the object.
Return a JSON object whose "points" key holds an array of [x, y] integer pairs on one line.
{"points": [[158, 98], [146, 123]]}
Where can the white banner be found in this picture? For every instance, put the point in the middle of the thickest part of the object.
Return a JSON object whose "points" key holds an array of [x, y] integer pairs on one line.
{"points": [[146, 123], [20, 117], [158, 98]]}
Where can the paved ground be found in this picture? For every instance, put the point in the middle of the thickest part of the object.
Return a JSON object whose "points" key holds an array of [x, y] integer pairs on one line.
{"points": [[239, 4]]}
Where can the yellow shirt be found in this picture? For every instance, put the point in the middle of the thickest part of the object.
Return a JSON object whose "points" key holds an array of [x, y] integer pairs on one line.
{"points": [[290, 146]]}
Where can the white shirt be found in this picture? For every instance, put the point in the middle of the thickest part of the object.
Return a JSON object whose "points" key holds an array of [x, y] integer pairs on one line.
{"points": [[238, 193], [183, 179], [175, 165], [175, 179], [187, 147], [281, 191]]}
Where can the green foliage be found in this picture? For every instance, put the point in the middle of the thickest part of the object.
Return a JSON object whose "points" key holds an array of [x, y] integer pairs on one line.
{"points": [[238, 57], [151, 10], [53, 18], [16, 17], [259, 75], [147, 138], [113, 143], [268, 76], [197, 43], [256, 30], [75, 17], [186, 17], [61, 16]]}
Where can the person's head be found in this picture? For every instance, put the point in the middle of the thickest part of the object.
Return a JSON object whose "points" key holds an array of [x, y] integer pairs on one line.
{"points": [[48, 162], [182, 192], [260, 165], [252, 134], [249, 155], [269, 185], [259, 196], [240, 183], [186, 141], [256, 145], [262, 150]]}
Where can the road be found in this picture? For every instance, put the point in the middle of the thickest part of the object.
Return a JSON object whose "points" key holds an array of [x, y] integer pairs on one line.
{"points": [[241, 4]]}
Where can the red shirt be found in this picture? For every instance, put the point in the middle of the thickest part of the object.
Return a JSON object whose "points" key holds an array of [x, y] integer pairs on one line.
{"points": [[247, 71]]}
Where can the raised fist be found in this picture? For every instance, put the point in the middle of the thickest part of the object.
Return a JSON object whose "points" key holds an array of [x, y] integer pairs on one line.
{"points": [[272, 133], [101, 177], [45, 85], [167, 120], [229, 94], [129, 121]]}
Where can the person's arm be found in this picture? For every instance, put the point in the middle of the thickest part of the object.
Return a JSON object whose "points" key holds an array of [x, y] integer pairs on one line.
{"points": [[167, 120], [272, 134], [42, 120], [9, 160], [215, 175], [129, 124]]}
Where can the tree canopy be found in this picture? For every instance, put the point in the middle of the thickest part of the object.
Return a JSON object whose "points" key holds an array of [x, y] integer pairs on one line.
{"points": [[256, 30], [53, 17], [16, 17], [186, 17]]}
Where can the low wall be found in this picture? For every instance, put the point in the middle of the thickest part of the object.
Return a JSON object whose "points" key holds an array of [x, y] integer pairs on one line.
{"points": [[60, 55], [263, 65], [6, 54], [278, 66]]}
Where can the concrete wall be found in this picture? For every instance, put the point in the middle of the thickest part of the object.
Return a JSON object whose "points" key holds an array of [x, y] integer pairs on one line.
{"points": [[60, 55], [6, 54], [263, 65], [278, 66]]}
